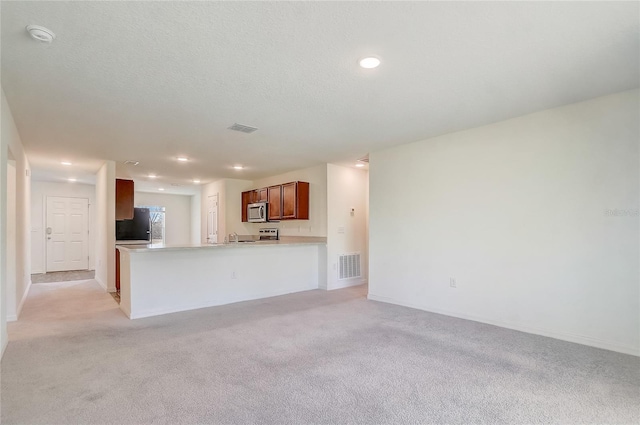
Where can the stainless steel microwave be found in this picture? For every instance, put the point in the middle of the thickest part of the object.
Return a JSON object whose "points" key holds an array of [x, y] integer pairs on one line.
{"points": [[257, 213]]}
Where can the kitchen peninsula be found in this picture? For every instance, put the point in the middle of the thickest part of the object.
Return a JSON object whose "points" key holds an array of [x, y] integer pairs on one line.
{"points": [[157, 280]]}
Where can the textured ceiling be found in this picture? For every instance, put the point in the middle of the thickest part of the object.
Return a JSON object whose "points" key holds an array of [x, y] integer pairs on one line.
{"points": [[149, 81]]}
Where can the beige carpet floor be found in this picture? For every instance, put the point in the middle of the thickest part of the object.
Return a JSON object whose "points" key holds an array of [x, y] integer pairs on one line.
{"points": [[312, 357]]}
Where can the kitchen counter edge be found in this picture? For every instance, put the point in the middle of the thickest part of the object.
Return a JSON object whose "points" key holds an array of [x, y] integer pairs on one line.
{"points": [[159, 247]]}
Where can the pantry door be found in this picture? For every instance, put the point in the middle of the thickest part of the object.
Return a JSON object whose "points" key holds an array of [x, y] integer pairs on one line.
{"points": [[67, 234], [212, 219]]}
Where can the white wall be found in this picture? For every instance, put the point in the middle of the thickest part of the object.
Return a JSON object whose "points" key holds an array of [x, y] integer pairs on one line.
{"points": [[211, 189], [233, 208], [519, 213], [40, 190], [195, 219], [230, 204], [229, 207], [346, 233], [12, 148], [3, 225], [317, 223], [106, 226], [177, 224]]}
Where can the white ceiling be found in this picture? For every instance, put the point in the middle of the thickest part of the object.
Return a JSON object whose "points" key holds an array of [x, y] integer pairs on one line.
{"points": [[149, 81]]}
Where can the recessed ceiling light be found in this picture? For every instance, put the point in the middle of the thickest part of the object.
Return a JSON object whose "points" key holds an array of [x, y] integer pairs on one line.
{"points": [[71, 179], [238, 167], [65, 163], [196, 181], [41, 33], [161, 188], [182, 159], [152, 176], [359, 164], [369, 62]]}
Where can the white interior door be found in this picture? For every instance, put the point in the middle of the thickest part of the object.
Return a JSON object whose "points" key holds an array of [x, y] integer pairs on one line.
{"points": [[67, 234], [212, 219]]}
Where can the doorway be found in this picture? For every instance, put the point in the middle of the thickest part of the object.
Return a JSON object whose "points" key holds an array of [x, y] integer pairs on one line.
{"points": [[157, 218], [67, 234], [11, 269], [212, 219]]}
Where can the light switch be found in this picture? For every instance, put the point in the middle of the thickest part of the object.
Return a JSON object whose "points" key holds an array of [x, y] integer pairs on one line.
{"points": [[340, 229]]}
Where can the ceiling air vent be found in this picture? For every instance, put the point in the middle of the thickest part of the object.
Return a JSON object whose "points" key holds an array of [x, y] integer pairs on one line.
{"points": [[364, 159], [242, 128], [132, 162]]}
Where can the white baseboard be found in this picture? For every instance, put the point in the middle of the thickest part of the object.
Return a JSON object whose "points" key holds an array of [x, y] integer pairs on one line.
{"points": [[5, 342], [579, 339], [24, 298], [14, 317], [346, 284], [97, 279], [125, 310]]}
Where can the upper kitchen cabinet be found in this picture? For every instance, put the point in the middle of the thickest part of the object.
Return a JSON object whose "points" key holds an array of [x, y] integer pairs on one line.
{"points": [[124, 199], [289, 201], [253, 196], [295, 201], [274, 194], [261, 195]]}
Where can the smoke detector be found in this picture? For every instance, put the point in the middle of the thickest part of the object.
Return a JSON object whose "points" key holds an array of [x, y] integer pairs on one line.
{"points": [[41, 33]]}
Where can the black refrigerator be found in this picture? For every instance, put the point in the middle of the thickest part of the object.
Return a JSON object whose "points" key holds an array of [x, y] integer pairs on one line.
{"points": [[136, 229]]}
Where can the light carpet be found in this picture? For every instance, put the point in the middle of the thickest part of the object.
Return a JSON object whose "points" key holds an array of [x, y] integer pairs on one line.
{"points": [[312, 357]]}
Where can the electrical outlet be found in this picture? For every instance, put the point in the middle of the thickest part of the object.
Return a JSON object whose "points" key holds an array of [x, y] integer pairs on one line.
{"points": [[233, 275], [452, 282]]}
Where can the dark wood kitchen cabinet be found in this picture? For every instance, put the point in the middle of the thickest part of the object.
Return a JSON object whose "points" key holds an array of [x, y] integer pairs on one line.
{"points": [[274, 194], [295, 201], [246, 200], [261, 195], [289, 201], [250, 197], [124, 199]]}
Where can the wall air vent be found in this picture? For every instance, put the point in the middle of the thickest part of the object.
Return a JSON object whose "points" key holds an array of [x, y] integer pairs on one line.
{"points": [[242, 128], [349, 266]]}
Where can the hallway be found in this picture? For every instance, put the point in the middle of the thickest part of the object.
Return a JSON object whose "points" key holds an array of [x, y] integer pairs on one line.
{"points": [[61, 308]]}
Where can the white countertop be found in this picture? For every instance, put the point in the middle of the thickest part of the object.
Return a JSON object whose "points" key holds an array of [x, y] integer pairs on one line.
{"points": [[284, 241]]}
